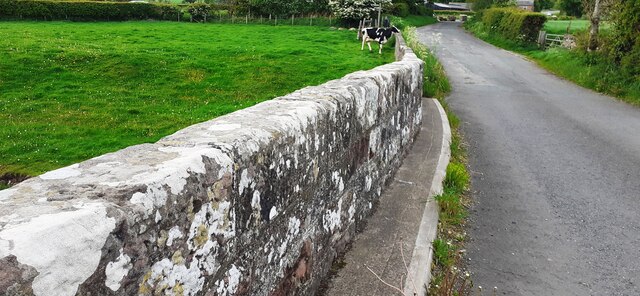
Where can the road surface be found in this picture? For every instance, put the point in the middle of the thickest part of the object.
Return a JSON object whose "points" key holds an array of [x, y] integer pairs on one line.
{"points": [[555, 174]]}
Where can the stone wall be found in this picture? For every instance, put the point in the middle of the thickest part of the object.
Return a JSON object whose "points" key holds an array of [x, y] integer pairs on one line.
{"points": [[257, 202]]}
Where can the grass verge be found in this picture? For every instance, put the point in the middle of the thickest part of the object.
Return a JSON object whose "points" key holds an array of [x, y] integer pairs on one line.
{"points": [[447, 275], [70, 91], [412, 21], [588, 70]]}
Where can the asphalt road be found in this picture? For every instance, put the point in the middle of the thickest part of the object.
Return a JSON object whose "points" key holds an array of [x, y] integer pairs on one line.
{"points": [[555, 174]]}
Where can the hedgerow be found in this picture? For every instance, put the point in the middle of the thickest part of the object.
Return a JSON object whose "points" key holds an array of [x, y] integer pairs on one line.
{"points": [[512, 23], [85, 10]]}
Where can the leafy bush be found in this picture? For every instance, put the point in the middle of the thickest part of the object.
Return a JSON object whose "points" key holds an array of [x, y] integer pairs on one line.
{"points": [[626, 37], [401, 9], [199, 12], [423, 10], [354, 10], [84, 10], [515, 24], [571, 7]]}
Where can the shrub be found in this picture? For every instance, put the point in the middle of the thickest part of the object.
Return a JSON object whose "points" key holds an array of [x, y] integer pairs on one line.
{"points": [[512, 23], [626, 36], [354, 10], [200, 12], [401, 9], [423, 10]]}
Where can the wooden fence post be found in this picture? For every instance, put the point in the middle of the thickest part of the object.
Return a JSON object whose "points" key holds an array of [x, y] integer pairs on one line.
{"points": [[542, 36]]}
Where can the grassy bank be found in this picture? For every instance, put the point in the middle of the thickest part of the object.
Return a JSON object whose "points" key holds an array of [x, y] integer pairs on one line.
{"points": [[412, 21], [71, 91], [447, 276], [585, 69]]}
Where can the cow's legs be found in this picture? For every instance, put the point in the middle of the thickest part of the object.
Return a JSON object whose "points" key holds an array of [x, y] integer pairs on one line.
{"points": [[369, 44], [363, 40], [380, 51]]}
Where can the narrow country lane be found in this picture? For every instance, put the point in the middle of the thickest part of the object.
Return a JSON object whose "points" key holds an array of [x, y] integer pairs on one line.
{"points": [[555, 174]]}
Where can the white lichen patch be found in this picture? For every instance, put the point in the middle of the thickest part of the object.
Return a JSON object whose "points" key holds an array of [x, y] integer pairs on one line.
{"points": [[332, 219], [352, 208], [117, 270], [273, 213], [367, 183], [418, 117], [63, 173], [169, 275], [208, 223], [230, 286], [405, 135], [337, 180], [294, 226], [317, 142], [150, 200], [158, 217], [374, 139], [174, 233], [175, 171], [245, 181], [255, 201], [64, 247]]}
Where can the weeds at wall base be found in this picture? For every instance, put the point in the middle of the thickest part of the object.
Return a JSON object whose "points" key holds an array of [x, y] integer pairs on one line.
{"points": [[448, 277]]}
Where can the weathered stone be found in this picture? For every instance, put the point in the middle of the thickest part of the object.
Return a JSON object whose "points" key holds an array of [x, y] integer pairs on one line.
{"points": [[256, 202], [15, 278]]}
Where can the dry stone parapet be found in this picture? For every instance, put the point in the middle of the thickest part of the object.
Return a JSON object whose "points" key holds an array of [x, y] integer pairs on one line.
{"points": [[257, 202]]}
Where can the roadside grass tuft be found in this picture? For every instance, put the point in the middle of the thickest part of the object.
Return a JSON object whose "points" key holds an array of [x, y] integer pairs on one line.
{"points": [[441, 252], [451, 208], [456, 179]]}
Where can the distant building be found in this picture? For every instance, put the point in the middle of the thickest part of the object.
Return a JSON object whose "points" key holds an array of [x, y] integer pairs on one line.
{"points": [[525, 4]]}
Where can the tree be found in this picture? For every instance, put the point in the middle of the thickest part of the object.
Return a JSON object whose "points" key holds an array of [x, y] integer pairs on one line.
{"points": [[353, 10], [539, 5], [571, 7], [595, 10], [504, 3], [481, 4]]}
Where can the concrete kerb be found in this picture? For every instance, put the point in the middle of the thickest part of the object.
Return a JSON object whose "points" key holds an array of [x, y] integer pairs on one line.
{"points": [[420, 266]]}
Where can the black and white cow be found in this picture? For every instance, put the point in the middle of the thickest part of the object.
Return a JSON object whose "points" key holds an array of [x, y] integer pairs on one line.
{"points": [[380, 35]]}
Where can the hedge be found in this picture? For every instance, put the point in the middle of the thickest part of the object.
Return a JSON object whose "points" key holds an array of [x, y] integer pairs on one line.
{"points": [[86, 10], [400, 9], [513, 23]]}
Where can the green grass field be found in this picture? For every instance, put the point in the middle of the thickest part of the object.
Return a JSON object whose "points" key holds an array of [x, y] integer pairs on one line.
{"points": [[560, 27], [71, 91]]}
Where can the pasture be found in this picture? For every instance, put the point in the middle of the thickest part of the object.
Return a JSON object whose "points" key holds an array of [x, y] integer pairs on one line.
{"points": [[71, 91], [560, 27]]}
